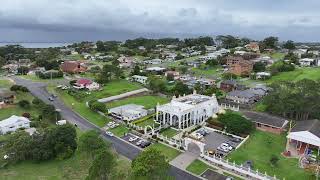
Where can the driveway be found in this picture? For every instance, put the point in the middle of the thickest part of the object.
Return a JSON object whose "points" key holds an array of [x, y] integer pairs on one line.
{"points": [[184, 160]]}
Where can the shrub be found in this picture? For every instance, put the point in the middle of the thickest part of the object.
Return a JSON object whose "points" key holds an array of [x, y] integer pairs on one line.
{"points": [[235, 123], [19, 88], [24, 104], [98, 106]]}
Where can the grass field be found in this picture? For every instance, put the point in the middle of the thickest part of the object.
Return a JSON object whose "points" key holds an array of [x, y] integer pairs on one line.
{"points": [[198, 167], [147, 101], [120, 130], [168, 152], [115, 88], [82, 109], [298, 74], [169, 132], [147, 122], [4, 83], [260, 147], [206, 72]]}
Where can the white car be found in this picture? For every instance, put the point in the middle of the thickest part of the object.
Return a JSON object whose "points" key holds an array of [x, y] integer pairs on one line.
{"points": [[225, 145], [221, 148], [198, 135], [139, 142], [131, 139], [109, 133]]}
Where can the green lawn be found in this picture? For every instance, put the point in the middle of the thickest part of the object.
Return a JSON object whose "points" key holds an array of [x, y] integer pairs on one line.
{"points": [[115, 88], [147, 101], [198, 167], [120, 130], [206, 71], [260, 147], [4, 83], [276, 55], [298, 74], [148, 121], [169, 152], [82, 109], [169, 132]]}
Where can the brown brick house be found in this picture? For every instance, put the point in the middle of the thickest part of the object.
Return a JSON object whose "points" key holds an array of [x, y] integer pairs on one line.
{"points": [[239, 66], [73, 67], [267, 122]]}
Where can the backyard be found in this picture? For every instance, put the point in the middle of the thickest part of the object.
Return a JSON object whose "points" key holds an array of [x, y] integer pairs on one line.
{"points": [[146, 121], [260, 147], [148, 101], [120, 130], [206, 71]]}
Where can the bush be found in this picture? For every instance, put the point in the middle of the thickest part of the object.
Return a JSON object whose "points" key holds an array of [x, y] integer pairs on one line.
{"points": [[98, 106], [19, 88], [24, 104]]}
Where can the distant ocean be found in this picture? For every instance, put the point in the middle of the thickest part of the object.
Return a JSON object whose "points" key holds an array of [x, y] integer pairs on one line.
{"points": [[35, 44]]}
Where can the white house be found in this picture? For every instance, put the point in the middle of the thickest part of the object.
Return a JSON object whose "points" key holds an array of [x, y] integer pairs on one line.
{"points": [[306, 61], [262, 75], [13, 123], [86, 83], [140, 79], [128, 112], [187, 111], [303, 137]]}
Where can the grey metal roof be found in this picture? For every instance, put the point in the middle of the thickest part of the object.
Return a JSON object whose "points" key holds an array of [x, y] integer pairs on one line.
{"points": [[312, 126], [265, 118]]}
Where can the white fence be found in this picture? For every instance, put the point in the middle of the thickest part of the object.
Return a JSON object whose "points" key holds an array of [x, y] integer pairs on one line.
{"points": [[171, 141], [240, 169]]}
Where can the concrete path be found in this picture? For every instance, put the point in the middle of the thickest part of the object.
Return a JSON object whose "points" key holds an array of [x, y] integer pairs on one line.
{"points": [[184, 160], [124, 95]]}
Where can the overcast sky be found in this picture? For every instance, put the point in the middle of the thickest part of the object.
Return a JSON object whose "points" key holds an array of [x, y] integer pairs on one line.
{"points": [[76, 20]]}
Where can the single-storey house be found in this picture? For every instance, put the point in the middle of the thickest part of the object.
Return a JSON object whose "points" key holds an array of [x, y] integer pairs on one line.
{"points": [[86, 84], [128, 112], [266, 122], [306, 62], [228, 85], [139, 79], [174, 74], [157, 70], [73, 67], [13, 123], [304, 137]]}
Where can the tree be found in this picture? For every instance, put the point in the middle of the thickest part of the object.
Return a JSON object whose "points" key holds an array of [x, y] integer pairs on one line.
{"points": [[24, 104], [156, 84], [150, 164], [180, 88], [19, 146], [259, 67], [289, 45], [90, 142], [183, 69], [269, 43], [170, 77], [136, 70], [235, 123], [229, 76], [19, 88], [102, 166], [228, 41], [63, 140], [48, 112]]}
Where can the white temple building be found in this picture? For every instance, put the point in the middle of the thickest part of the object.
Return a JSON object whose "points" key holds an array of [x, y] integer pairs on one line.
{"points": [[187, 111]]}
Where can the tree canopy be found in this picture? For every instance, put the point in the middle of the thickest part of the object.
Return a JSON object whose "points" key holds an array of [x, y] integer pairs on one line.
{"points": [[235, 123]]}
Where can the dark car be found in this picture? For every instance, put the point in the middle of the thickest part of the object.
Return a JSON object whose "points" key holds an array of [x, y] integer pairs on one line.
{"points": [[145, 144], [50, 98], [235, 140]]}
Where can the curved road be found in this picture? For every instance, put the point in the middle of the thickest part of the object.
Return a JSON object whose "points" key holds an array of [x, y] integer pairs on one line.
{"points": [[38, 89]]}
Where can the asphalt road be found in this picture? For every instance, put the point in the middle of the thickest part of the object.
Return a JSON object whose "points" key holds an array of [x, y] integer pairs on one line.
{"points": [[38, 89]]}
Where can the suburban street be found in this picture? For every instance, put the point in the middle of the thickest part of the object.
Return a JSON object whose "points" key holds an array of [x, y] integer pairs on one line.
{"points": [[38, 89]]}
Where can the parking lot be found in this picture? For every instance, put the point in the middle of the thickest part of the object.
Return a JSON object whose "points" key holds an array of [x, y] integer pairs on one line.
{"points": [[136, 140], [216, 142]]}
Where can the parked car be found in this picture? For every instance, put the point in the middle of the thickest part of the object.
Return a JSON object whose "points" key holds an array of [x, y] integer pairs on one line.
{"points": [[226, 146], [139, 142], [109, 133], [145, 144], [131, 139], [223, 149], [50, 98], [234, 139]]}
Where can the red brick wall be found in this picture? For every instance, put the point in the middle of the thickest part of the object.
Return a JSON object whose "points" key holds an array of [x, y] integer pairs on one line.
{"points": [[270, 129]]}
